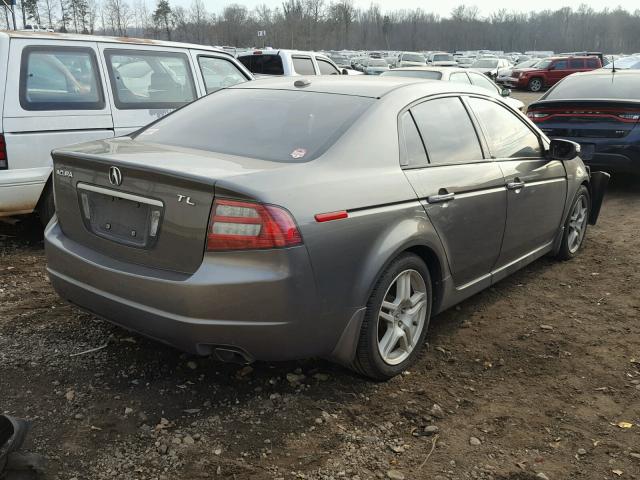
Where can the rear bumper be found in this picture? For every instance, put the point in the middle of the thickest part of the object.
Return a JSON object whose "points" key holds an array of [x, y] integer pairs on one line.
{"points": [[20, 189], [262, 303]]}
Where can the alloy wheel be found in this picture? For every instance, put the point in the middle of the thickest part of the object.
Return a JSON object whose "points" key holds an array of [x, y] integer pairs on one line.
{"points": [[577, 224], [402, 317]]}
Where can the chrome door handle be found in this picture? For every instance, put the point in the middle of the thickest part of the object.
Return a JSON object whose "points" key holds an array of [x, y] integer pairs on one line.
{"points": [[441, 198], [515, 185]]}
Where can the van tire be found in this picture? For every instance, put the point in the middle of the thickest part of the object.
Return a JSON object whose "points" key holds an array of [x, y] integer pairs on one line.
{"points": [[46, 207]]}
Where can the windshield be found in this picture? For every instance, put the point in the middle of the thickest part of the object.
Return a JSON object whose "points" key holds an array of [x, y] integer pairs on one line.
{"points": [[486, 63], [275, 125], [443, 57], [625, 63], [413, 57], [426, 74], [606, 85], [528, 64]]}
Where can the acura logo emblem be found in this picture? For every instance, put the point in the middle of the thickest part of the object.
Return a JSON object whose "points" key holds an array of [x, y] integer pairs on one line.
{"points": [[115, 176]]}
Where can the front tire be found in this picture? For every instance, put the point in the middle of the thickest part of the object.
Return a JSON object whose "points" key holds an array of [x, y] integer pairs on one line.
{"points": [[396, 320], [575, 226], [535, 84]]}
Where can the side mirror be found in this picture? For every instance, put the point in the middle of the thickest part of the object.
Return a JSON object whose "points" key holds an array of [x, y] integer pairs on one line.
{"points": [[505, 92], [345, 72], [563, 149]]}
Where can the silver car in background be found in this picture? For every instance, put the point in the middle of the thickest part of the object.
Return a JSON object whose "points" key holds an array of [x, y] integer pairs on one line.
{"points": [[328, 217]]}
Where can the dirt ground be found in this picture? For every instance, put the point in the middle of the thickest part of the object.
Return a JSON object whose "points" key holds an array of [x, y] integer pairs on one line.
{"points": [[530, 379]]}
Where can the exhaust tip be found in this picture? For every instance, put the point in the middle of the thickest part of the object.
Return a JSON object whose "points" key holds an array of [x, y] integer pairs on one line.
{"points": [[232, 355]]}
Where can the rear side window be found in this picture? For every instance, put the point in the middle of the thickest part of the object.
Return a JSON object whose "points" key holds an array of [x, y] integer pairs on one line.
{"points": [[507, 136], [60, 78], [447, 131], [560, 65], [576, 63], [303, 66], [263, 64], [412, 153], [326, 68], [149, 79], [276, 125], [219, 73], [459, 78], [593, 63], [426, 74]]}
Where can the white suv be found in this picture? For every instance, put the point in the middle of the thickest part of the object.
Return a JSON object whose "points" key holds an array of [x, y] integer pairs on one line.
{"points": [[288, 63], [62, 89]]}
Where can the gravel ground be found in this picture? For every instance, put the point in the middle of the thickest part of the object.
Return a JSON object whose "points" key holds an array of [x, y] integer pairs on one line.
{"points": [[537, 377]]}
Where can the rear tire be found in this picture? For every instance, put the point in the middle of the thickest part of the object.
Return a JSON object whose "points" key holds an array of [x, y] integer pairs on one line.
{"points": [[46, 207], [396, 320], [575, 226], [535, 84]]}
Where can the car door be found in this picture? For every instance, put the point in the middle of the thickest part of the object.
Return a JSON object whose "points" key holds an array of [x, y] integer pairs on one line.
{"points": [[557, 71], [536, 187], [461, 190], [147, 83], [303, 65]]}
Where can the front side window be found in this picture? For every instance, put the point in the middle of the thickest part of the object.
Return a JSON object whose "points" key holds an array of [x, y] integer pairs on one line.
{"points": [[60, 78], [149, 79], [560, 65], [219, 73], [412, 153], [447, 131], [426, 74], [303, 66], [459, 78], [506, 134], [326, 68]]}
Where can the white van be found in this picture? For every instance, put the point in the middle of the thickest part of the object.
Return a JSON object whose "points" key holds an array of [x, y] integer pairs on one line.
{"points": [[62, 89], [288, 63]]}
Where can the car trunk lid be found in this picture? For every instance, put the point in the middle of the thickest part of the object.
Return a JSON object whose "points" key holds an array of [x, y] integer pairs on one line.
{"points": [[140, 203]]}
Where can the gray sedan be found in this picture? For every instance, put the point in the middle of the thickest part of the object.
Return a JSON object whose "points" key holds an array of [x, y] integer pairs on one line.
{"points": [[330, 217]]}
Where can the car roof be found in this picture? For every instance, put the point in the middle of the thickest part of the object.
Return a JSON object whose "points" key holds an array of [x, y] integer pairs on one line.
{"points": [[43, 35], [607, 72], [432, 69], [362, 86]]}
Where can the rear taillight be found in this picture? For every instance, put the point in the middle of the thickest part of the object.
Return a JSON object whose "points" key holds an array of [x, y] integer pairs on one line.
{"points": [[633, 117], [237, 225], [3, 154], [537, 116]]}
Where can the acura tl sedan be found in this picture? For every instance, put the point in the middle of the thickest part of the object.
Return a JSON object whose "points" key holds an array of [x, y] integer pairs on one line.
{"points": [[330, 217]]}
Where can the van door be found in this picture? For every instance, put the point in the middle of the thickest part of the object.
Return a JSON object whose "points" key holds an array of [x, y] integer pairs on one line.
{"points": [[536, 187], [55, 96], [462, 191], [146, 83]]}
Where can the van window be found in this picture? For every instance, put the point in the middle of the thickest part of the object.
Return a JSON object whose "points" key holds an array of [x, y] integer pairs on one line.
{"points": [[219, 73], [263, 64], [303, 66], [60, 78], [447, 131], [149, 79]]}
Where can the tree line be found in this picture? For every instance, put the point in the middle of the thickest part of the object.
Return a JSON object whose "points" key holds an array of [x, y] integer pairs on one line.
{"points": [[338, 24]]}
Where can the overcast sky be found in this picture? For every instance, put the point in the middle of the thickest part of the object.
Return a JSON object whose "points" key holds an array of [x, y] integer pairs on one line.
{"points": [[443, 8]]}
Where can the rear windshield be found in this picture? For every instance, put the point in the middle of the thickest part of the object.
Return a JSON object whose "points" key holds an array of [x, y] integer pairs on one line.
{"points": [[263, 64], [625, 63], [413, 57], [610, 86], [275, 125], [426, 74], [443, 57]]}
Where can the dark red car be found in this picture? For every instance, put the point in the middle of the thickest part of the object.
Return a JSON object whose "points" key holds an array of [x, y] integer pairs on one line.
{"points": [[550, 71]]}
